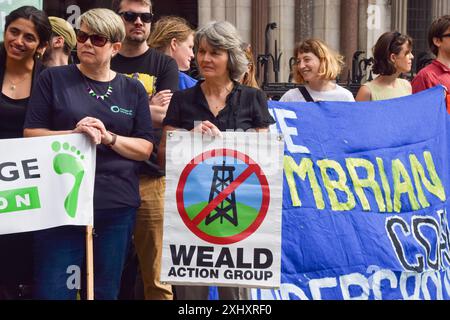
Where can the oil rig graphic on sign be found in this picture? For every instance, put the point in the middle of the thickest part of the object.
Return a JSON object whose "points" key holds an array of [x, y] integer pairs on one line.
{"points": [[223, 177]]}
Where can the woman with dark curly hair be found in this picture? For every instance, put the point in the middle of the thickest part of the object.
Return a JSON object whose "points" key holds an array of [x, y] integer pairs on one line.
{"points": [[393, 56]]}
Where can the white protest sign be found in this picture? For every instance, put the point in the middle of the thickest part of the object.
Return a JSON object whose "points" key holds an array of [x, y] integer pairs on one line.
{"points": [[222, 221], [46, 182]]}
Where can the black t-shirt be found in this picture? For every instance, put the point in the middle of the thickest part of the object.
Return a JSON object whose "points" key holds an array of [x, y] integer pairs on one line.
{"points": [[60, 100], [246, 108], [157, 72]]}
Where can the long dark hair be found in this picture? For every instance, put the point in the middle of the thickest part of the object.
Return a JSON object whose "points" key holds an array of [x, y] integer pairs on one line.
{"points": [[388, 43], [39, 19]]}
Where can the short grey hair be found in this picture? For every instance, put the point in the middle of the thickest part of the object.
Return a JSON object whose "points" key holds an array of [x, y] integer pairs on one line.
{"points": [[223, 35], [104, 22]]}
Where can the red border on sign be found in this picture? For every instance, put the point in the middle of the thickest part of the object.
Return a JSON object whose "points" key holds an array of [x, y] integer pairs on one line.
{"points": [[264, 203]]}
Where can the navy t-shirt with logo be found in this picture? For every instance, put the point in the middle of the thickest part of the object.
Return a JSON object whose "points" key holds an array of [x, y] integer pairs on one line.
{"points": [[61, 99]]}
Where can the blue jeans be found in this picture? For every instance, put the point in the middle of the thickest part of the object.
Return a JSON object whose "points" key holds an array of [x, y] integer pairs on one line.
{"points": [[59, 256]]}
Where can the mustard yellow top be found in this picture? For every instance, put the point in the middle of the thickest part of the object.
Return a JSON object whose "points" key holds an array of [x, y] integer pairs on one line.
{"points": [[402, 88]]}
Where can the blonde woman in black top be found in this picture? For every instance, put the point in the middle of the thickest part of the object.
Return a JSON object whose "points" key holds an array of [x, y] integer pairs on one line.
{"points": [[112, 110]]}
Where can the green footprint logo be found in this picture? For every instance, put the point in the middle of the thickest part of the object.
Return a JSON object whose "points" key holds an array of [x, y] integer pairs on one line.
{"points": [[66, 161]]}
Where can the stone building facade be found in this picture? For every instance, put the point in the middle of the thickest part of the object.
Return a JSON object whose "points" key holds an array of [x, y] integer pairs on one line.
{"points": [[346, 25]]}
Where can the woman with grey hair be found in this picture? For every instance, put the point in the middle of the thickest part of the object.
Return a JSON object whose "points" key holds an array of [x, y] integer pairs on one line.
{"points": [[217, 103], [112, 110]]}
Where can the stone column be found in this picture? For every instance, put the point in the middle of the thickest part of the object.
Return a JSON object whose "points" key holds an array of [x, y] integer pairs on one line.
{"points": [[440, 8], [236, 12], [349, 35], [303, 19], [204, 12], [283, 13], [400, 16], [218, 11], [239, 12], [230, 11], [260, 18], [378, 21], [362, 25], [327, 22]]}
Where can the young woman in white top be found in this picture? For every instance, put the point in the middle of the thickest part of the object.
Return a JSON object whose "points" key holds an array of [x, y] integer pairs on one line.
{"points": [[393, 56], [317, 68]]}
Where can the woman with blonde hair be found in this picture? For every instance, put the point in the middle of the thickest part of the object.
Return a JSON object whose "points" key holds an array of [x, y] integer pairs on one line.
{"points": [[317, 68], [82, 98], [174, 37]]}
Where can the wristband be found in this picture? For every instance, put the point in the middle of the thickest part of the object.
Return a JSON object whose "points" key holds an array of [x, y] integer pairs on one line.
{"points": [[113, 140]]}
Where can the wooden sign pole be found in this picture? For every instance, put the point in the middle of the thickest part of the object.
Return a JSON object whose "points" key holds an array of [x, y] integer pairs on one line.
{"points": [[89, 263]]}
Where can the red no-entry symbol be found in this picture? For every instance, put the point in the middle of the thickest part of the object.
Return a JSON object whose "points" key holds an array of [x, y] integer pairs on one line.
{"points": [[194, 222]]}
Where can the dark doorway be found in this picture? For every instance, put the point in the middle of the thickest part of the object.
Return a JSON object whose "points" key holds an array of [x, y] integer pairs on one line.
{"points": [[187, 9], [419, 21]]}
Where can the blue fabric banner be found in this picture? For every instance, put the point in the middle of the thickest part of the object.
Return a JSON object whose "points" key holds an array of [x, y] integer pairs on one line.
{"points": [[365, 199]]}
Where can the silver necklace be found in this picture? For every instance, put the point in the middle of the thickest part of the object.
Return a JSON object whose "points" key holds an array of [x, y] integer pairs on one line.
{"points": [[13, 85]]}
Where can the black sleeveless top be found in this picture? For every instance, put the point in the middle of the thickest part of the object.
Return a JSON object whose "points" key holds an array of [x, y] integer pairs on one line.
{"points": [[12, 111], [12, 116]]}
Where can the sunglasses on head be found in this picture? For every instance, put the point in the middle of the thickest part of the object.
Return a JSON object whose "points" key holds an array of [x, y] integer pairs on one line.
{"points": [[131, 16], [395, 38], [96, 39]]}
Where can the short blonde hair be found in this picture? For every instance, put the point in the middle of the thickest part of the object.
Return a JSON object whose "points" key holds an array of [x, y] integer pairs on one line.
{"points": [[331, 62], [168, 28], [104, 22]]}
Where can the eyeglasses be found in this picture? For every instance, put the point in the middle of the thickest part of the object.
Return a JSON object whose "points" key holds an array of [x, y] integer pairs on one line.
{"points": [[131, 16], [96, 40], [447, 35]]}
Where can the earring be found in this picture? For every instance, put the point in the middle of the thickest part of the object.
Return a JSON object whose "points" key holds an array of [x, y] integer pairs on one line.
{"points": [[38, 55]]}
